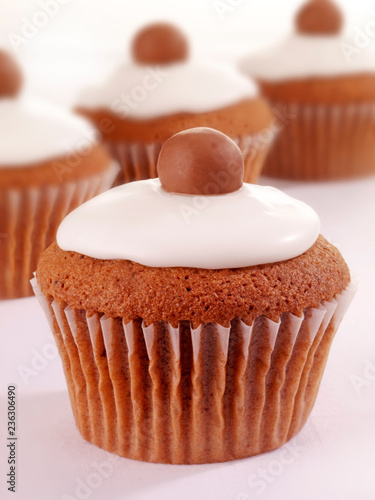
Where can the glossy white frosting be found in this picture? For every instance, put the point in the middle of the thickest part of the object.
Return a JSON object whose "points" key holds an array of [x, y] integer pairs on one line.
{"points": [[143, 223], [32, 131], [303, 56], [142, 92]]}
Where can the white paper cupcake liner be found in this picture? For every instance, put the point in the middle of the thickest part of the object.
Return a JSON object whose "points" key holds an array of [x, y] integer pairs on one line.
{"points": [[323, 142], [29, 221], [183, 395], [138, 160]]}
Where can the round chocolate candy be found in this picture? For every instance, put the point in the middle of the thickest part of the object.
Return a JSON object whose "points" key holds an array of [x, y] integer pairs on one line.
{"points": [[10, 76], [319, 17], [160, 43], [200, 161]]}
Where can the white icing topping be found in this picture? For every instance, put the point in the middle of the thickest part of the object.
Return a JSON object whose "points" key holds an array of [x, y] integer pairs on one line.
{"points": [[143, 92], [32, 131], [143, 223], [303, 56]]}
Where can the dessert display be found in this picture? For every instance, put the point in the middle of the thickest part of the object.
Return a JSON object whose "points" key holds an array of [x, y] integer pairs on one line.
{"points": [[193, 312], [50, 162], [164, 90], [328, 94]]}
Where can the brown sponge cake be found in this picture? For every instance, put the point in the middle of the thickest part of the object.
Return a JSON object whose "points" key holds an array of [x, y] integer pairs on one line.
{"points": [[132, 291], [251, 115], [345, 89], [54, 171]]}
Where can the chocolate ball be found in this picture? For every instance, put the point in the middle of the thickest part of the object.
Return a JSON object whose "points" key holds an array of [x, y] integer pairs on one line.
{"points": [[10, 76], [160, 43], [200, 161], [319, 17]]}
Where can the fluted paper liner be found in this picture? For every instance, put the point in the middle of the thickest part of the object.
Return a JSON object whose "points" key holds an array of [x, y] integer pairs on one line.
{"points": [[30, 218], [323, 142], [138, 160], [183, 395]]}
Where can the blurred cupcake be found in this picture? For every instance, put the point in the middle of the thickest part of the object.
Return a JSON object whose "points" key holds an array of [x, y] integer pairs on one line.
{"points": [[50, 162], [163, 91], [326, 92], [193, 314]]}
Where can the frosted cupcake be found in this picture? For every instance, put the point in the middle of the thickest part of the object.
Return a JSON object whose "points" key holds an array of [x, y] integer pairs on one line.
{"points": [[50, 162], [163, 91], [193, 313], [327, 94]]}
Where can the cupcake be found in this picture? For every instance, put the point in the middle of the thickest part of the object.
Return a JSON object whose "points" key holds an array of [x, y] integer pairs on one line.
{"points": [[327, 93], [50, 162], [163, 91], [193, 313]]}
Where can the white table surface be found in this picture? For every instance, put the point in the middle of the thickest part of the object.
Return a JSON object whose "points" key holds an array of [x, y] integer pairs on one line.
{"points": [[332, 458]]}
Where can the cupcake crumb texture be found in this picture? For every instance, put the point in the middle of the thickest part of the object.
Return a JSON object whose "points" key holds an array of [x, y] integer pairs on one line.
{"points": [[130, 290]]}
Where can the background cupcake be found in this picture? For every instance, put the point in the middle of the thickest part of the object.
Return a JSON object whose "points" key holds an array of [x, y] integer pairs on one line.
{"points": [[163, 91], [197, 326], [329, 94], [50, 162]]}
